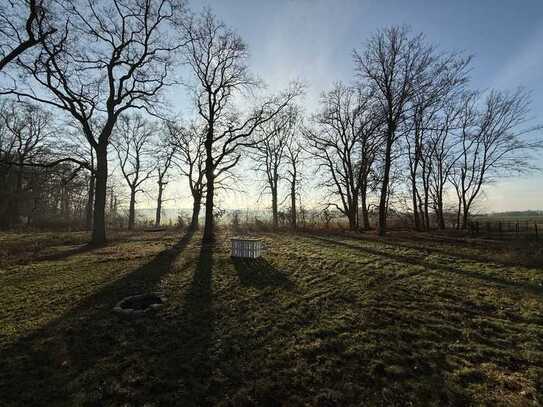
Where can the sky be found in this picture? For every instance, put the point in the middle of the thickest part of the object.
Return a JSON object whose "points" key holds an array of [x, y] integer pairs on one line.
{"points": [[313, 41]]}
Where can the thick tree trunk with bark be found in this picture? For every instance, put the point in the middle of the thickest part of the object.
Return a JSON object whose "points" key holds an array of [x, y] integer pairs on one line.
{"points": [[275, 217], [196, 205], [416, 217], [383, 200], [90, 203], [465, 217], [99, 219], [352, 214], [209, 227], [132, 209], [158, 213], [293, 220], [353, 224]]}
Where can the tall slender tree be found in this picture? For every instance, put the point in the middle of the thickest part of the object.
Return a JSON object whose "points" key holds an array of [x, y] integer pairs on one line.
{"points": [[394, 65], [165, 152], [218, 58], [190, 160], [270, 154], [294, 158], [493, 141], [132, 142], [340, 142]]}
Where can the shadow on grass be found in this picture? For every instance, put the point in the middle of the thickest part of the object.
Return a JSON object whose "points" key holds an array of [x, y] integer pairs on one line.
{"points": [[259, 273], [84, 356], [84, 248], [427, 244], [55, 250], [182, 364], [531, 288]]}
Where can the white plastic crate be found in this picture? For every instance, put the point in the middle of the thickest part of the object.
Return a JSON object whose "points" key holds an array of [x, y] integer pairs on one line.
{"points": [[246, 247]]}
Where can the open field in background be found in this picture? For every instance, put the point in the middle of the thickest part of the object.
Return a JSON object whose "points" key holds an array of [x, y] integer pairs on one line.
{"points": [[321, 319]]}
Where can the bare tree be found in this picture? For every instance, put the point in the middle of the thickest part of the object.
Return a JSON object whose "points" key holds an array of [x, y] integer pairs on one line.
{"points": [[190, 160], [493, 141], [218, 59], [370, 131], [295, 157], [75, 149], [270, 154], [24, 141], [111, 56], [164, 159], [444, 153], [132, 142], [345, 128], [443, 79], [34, 183], [23, 25], [393, 65], [90, 196]]}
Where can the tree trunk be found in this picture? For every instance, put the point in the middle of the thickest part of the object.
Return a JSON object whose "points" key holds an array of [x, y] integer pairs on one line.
{"points": [[158, 214], [274, 207], [132, 209], [209, 227], [383, 201], [458, 211], [365, 214], [465, 217], [426, 211], [293, 220], [353, 213], [196, 205], [90, 202], [352, 220], [13, 199], [99, 223], [416, 217], [439, 213]]}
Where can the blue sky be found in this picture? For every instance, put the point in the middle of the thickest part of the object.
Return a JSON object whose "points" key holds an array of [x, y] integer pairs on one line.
{"points": [[313, 40]]}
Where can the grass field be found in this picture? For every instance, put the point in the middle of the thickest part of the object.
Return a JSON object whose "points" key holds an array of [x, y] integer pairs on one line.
{"points": [[320, 320]]}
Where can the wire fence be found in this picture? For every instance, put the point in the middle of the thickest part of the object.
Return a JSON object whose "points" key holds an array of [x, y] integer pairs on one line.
{"points": [[507, 229]]}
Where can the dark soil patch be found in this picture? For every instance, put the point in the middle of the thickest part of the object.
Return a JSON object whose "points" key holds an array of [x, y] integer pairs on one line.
{"points": [[140, 302]]}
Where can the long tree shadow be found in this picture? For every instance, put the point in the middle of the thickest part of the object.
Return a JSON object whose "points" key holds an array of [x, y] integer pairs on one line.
{"points": [[259, 273], [428, 246], [56, 251], [63, 254], [531, 288], [61, 355], [184, 366]]}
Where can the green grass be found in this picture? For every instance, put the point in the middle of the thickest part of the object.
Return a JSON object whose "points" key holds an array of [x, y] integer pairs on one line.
{"points": [[319, 320]]}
